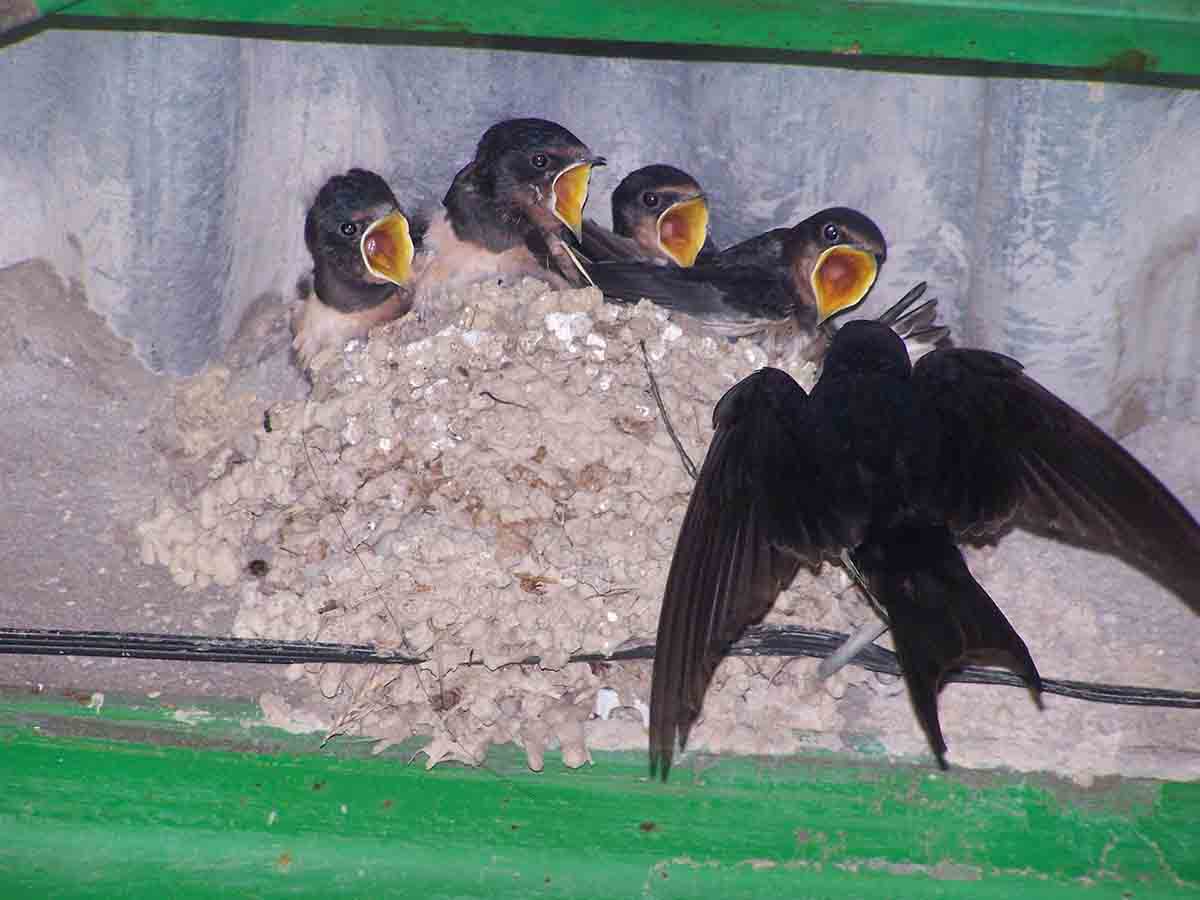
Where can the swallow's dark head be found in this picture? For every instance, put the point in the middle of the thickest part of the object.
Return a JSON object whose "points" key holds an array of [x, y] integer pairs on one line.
{"points": [[359, 239], [866, 346], [536, 166], [356, 229], [835, 257], [663, 209]]}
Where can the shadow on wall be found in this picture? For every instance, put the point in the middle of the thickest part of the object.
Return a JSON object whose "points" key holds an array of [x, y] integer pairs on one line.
{"points": [[1157, 332]]}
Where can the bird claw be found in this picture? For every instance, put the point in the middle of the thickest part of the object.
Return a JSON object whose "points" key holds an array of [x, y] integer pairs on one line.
{"points": [[865, 634], [852, 646]]}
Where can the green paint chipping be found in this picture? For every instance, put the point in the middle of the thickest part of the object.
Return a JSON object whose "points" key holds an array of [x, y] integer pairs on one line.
{"points": [[1105, 37], [177, 811]]}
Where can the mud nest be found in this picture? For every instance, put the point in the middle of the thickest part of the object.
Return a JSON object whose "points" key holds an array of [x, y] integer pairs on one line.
{"points": [[504, 490]]}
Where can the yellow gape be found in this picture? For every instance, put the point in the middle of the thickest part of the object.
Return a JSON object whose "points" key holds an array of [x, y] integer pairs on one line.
{"points": [[683, 229], [841, 278], [387, 248], [569, 194]]}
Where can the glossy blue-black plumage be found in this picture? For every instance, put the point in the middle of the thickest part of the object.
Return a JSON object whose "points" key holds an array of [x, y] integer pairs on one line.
{"points": [[894, 464]]}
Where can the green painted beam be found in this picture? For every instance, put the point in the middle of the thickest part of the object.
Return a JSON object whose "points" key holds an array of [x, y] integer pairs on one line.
{"points": [[1102, 37], [141, 798]]}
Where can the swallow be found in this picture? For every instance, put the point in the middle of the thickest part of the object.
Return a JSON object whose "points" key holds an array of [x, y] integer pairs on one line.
{"points": [[362, 246], [659, 214], [887, 467], [807, 273], [513, 209]]}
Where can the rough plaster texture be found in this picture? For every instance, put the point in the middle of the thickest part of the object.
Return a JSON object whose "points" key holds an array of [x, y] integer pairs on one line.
{"points": [[164, 179], [83, 456]]}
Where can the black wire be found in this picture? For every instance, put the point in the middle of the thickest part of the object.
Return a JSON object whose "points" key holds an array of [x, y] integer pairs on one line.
{"points": [[189, 648], [777, 641]]}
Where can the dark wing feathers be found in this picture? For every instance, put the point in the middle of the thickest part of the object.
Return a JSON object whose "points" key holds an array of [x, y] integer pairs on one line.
{"points": [[601, 245], [916, 322], [986, 447], [737, 294], [740, 545], [900, 309], [744, 286], [725, 577], [1012, 451]]}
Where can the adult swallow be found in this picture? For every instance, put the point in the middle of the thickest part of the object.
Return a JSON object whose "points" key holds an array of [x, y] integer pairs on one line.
{"points": [[362, 247], [659, 214], [805, 273], [513, 209], [888, 466]]}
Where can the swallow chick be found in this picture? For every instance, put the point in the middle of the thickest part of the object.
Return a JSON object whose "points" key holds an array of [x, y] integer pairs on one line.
{"points": [[805, 274], [362, 247], [512, 210], [659, 214], [889, 466]]}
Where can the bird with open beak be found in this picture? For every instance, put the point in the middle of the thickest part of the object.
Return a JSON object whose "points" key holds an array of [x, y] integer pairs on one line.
{"points": [[513, 209], [362, 247], [659, 214], [803, 274]]}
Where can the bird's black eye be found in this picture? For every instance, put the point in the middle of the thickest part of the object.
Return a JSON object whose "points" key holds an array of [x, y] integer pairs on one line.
{"points": [[650, 199], [831, 233], [349, 229], [539, 160]]}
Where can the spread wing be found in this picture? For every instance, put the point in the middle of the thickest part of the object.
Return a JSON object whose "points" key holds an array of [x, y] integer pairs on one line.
{"points": [[1014, 452], [756, 514]]}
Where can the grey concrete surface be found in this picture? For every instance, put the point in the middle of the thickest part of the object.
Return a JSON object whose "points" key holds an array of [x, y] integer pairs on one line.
{"points": [[82, 461], [1058, 220]]}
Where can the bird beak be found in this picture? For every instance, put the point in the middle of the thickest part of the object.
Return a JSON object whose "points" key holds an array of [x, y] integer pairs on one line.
{"points": [[569, 193], [387, 248], [841, 278], [683, 229]]}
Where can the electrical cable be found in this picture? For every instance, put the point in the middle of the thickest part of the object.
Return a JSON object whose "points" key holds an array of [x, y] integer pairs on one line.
{"points": [[771, 641]]}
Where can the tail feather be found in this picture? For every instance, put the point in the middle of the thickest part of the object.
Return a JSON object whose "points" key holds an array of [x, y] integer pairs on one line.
{"points": [[941, 618]]}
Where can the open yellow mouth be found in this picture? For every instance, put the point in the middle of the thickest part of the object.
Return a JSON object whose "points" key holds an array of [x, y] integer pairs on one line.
{"points": [[841, 278], [683, 229], [387, 248], [569, 194]]}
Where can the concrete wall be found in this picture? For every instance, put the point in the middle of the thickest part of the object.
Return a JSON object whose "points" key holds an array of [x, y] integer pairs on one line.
{"points": [[1058, 221]]}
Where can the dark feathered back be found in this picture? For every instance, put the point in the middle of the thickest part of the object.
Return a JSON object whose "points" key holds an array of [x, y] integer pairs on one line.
{"points": [[864, 345]]}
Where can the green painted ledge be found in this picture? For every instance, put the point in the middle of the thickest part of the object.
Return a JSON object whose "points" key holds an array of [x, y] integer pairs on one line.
{"points": [[146, 798], [1093, 38]]}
